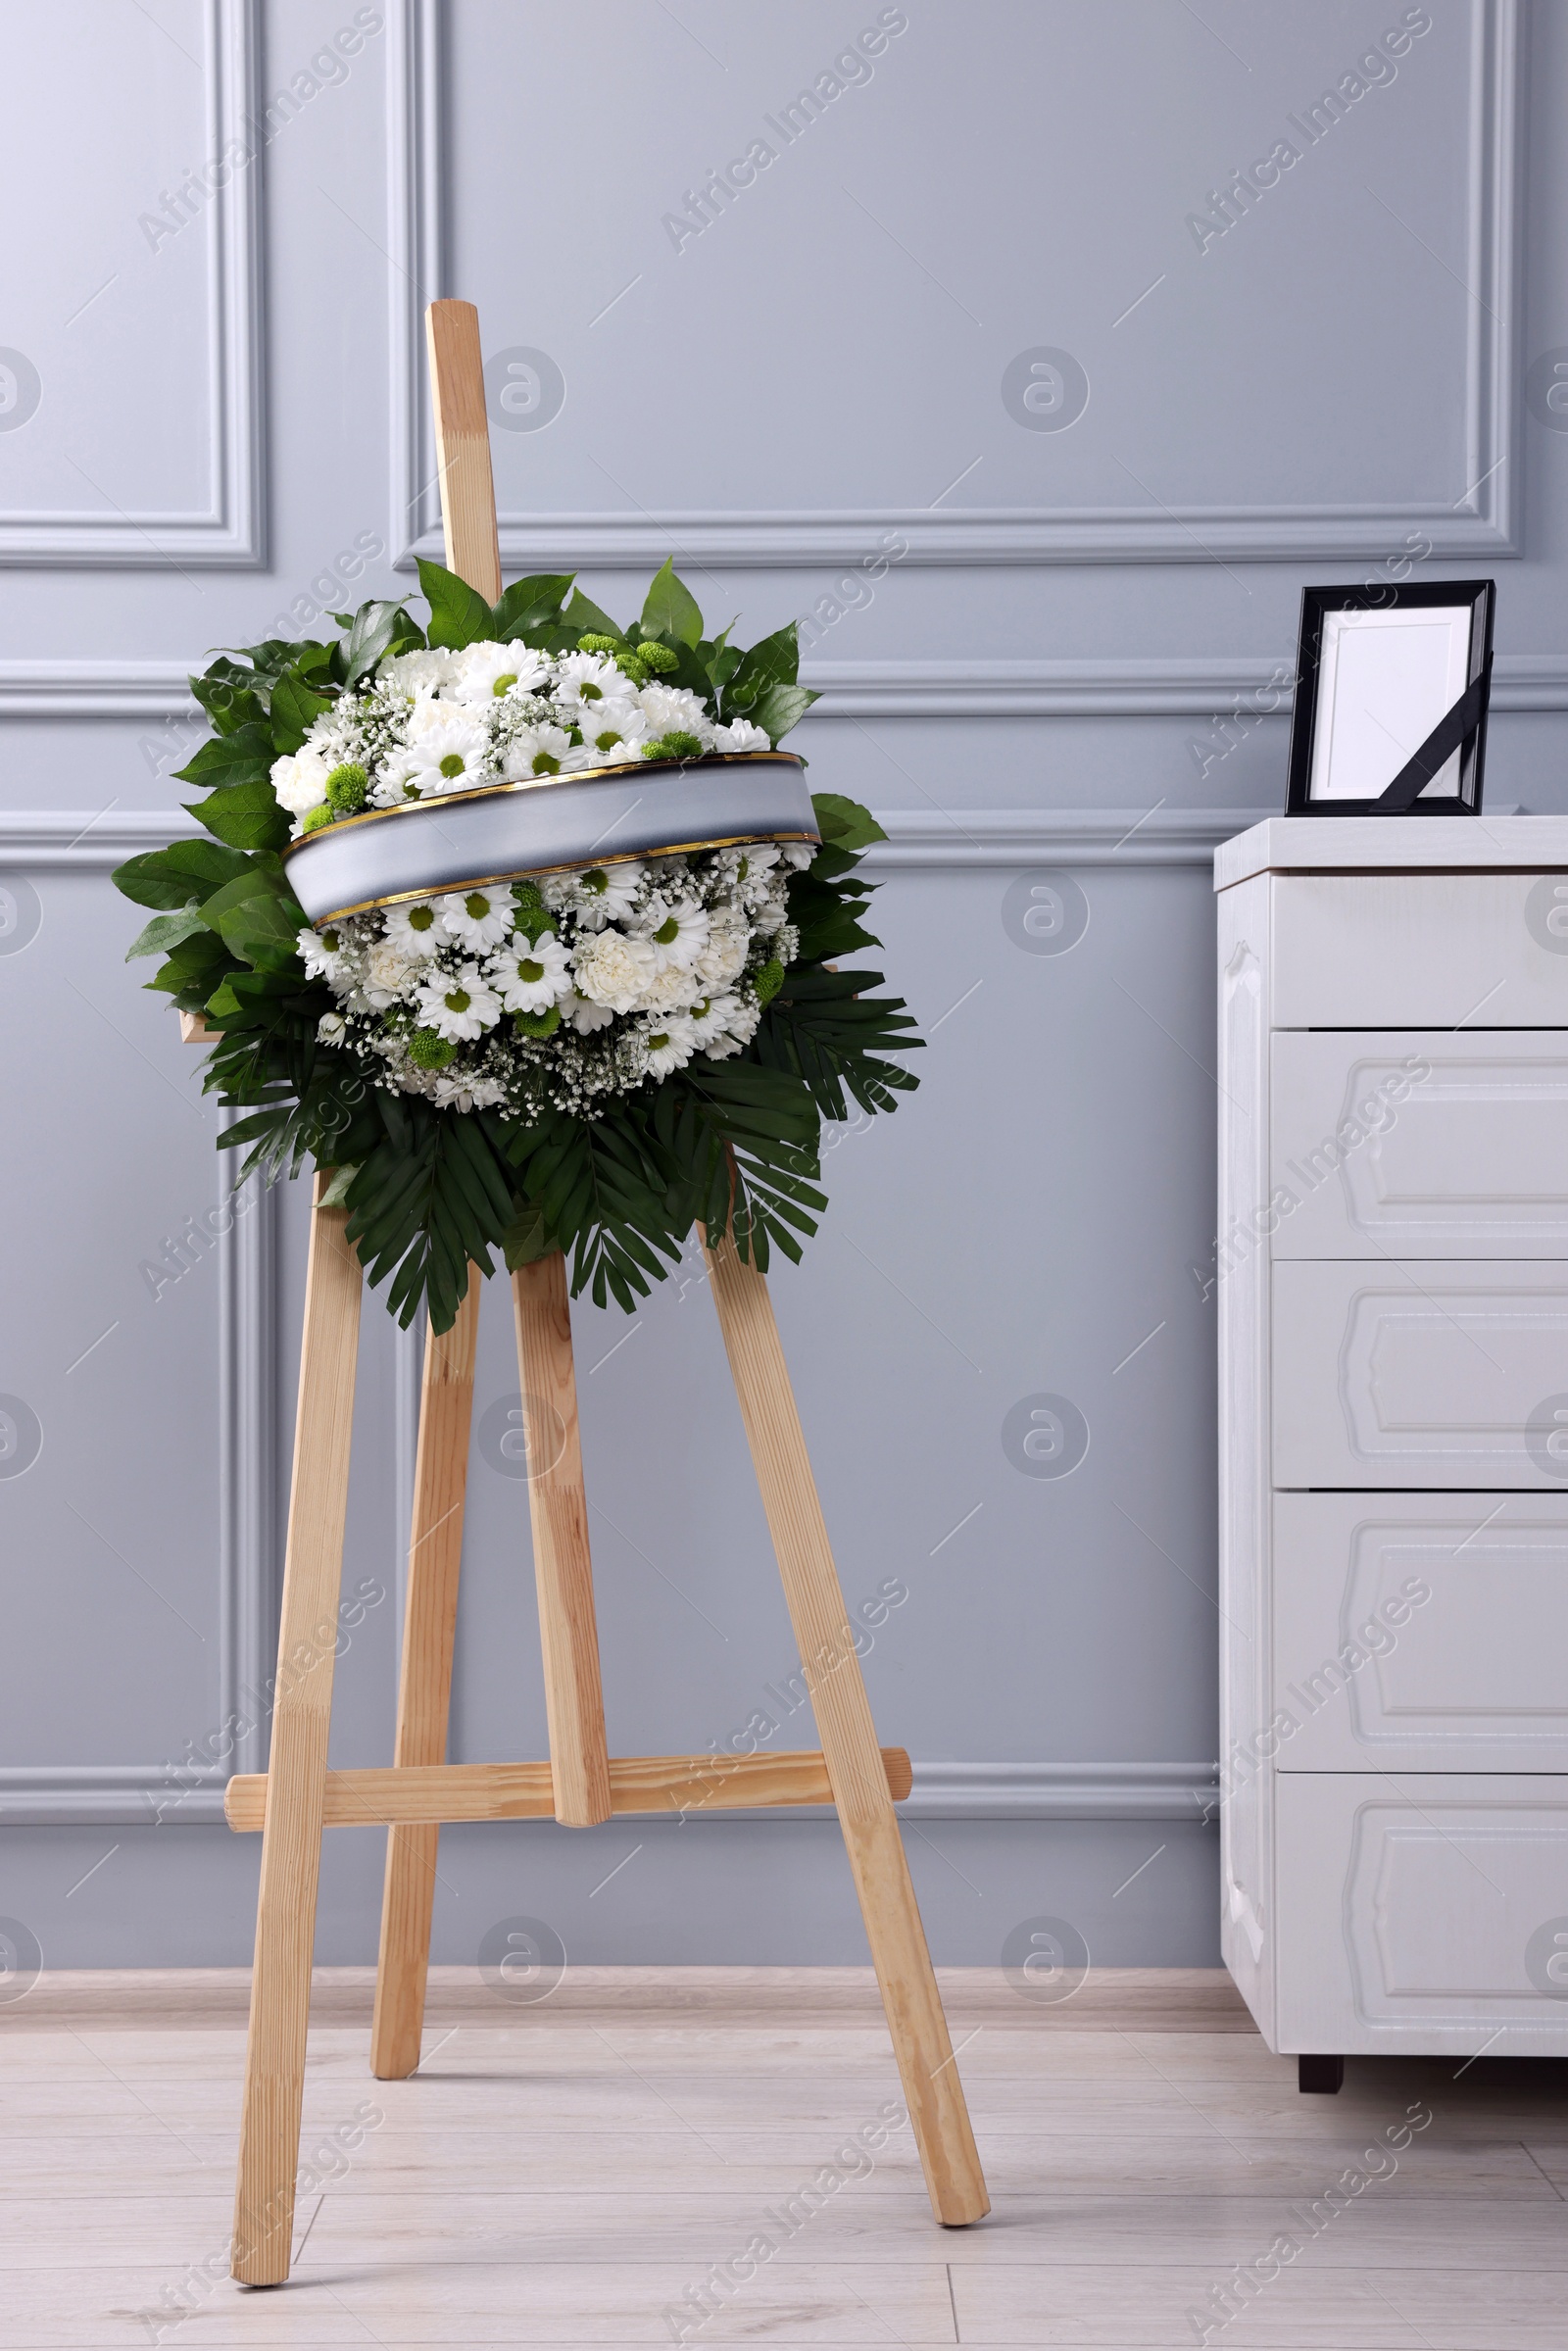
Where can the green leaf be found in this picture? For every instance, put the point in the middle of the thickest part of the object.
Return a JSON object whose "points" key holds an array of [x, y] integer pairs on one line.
{"points": [[459, 614], [375, 626], [197, 961], [772, 661], [245, 815], [295, 710], [845, 823], [671, 610], [243, 757], [164, 932], [336, 1192], [262, 932], [779, 708], [226, 693], [526, 1238], [172, 876], [529, 604], [585, 617]]}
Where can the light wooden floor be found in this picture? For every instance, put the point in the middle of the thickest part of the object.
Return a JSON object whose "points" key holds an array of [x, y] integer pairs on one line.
{"points": [[568, 2174]]}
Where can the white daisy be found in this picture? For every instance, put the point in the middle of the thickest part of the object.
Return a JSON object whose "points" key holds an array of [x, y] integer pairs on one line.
{"points": [[607, 893], [321, 952], [616, 730], [796, 854], [673, 709], [447, 747], [300, 781], [534, 751], [529, 978], [583, 1012], [465, 1092], [487, 671], [397, 779], [711, 1017], [585, 681], [459, 1005], [416, 930], [741, 735], [670, 1044], [614, 970], [477, 919], [676, 929]]}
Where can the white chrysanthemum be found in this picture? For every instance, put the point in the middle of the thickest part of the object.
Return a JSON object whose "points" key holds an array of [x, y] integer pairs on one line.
{"points": [[534, 751], [465, 1092], [487, 670], [711, 1017], [299, 780], [672, 990], [580, 1013], [321, 952], [477, 919], [529, 978], [390, 974], [676, 929], [459, 1005], [723, 958], [673, 709], [741, 735], [670, 1044], [426, 672], [607, 893], [613, 969], [416, 930], [616, 730], [446, 749], [331, 1028], [584, 680]]}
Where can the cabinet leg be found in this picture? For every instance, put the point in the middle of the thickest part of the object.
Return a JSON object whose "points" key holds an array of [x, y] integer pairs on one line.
{"points": [[1324, 2076], [856, 1772], [296, 1775], [424, 1684]]}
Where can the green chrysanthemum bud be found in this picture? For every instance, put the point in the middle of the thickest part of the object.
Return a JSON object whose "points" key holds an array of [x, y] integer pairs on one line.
{"points": [[316, 819], [676, 745], [428, 1049], [631, 667], [346, 788], [594, 642], [769, 980], [537, 1024], [656, 657]]}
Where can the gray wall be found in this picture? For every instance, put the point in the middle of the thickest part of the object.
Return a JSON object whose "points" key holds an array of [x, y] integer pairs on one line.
{"points": [[1038, 627]]}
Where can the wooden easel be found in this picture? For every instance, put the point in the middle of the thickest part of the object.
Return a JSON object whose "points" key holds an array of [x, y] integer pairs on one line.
{"points": [[580, 1785]]}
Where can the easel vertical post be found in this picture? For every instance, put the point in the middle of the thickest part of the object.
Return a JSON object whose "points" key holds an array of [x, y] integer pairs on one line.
{"points": [[296, 1773]]}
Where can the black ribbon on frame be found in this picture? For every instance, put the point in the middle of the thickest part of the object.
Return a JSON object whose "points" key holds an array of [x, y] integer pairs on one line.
{"points": [[1456, 727]]}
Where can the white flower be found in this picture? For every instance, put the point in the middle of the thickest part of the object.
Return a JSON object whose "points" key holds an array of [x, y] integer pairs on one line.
{"points": [[300, 781], [584, 680], [607, 893], [397, 779], [670, 710], [459, 1005], [446, 749], [676, 929], [723, 958], [321, 952], [416, 930], [583, 1013], [487, 671], [796, 854], [614, 730], [529, 979], [534, 751], [711, 1017], [389, 970], [405, 676], [672, 989], [465, 1092], [739, 1029], [477, 919], [741, 735], [613, 969], [331, 1028], [670, 1044]]}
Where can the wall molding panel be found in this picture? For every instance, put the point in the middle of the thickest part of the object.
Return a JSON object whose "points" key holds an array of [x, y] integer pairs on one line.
{"points": [[1166, 687], [1480, 525], [230, 532]]}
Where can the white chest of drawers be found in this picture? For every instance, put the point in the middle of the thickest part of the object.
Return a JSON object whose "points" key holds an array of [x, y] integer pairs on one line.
{"points": [[1392, 1277]]}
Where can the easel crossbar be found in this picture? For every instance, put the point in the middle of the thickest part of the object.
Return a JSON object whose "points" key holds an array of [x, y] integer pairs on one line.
{"points": [[406, 1795]]}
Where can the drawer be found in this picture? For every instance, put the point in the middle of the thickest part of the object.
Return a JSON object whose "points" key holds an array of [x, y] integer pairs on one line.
{"points": [[1406, 1143], [1420, 1375], [1424, 1922], [1420, 1633], [1420, 949]]}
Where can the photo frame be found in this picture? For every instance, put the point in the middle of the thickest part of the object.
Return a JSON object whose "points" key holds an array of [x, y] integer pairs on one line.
{"points": [[1392, 690]]}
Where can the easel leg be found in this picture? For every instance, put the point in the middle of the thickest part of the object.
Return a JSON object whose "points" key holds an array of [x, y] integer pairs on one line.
{"points": [[424, 1687], [296, 1780], [931, 2084], [563, 1566]]}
